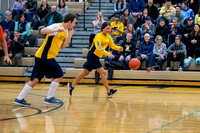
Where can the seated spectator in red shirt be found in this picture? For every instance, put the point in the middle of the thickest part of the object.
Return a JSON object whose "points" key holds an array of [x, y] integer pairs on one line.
{"points": [[3, 46]]}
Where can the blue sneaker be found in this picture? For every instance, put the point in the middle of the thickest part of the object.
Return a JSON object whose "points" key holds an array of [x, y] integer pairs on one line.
{"points": [[52, 100], [21, 102]]}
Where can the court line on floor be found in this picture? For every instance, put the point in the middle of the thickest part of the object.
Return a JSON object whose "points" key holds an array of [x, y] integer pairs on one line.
{"points": [[39, 111], [181, 118]]}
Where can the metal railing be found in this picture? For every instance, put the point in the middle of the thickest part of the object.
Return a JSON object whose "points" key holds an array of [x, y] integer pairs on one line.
{"points": [[85, 8]]}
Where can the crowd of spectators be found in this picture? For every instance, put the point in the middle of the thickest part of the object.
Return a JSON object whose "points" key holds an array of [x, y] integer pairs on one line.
{"points": [[167, 31], [157, 27], [24, 16]]}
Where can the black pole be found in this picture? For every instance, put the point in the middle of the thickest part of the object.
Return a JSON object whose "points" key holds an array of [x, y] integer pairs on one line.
{"points": [[84, 18], [99, 5]]}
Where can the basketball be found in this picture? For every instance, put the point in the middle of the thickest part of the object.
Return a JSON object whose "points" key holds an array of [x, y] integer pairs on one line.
{"points": [[134, 63]]}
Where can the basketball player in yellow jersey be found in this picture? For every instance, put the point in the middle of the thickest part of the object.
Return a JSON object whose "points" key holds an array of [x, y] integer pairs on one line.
{"points": [[97, 50], [58, 36]]}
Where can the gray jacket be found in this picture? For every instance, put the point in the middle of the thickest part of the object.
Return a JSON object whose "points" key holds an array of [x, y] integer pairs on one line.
{"points": [[160, 49], [130, 20], [178, 49], [151, 30], [63, 12]]}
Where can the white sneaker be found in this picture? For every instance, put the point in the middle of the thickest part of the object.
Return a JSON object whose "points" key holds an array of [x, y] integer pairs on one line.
{"points": [[180, 69], [167, 69]]}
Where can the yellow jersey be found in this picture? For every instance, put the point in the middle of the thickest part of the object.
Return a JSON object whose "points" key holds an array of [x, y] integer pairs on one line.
{"points": [[52, 43], [100, 43]]}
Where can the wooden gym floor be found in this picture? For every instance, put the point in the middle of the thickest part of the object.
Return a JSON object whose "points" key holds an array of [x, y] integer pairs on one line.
{"points": [[134, 109]]}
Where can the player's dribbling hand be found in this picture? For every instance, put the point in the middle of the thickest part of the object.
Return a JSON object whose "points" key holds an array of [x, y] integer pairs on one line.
{"points": [[111, 56]]}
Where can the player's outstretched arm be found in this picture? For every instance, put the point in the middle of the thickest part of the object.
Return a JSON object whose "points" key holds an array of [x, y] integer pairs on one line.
{"points": [[48, 30], [68, 38]]}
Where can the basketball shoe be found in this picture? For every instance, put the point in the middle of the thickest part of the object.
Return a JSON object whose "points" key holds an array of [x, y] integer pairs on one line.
{"points": [[70, 88], [111, 92], [52, 100], [21, 102]]}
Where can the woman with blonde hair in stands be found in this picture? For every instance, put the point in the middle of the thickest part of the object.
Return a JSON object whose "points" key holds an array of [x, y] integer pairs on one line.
{"points": [[130, 29], [97, 26]]}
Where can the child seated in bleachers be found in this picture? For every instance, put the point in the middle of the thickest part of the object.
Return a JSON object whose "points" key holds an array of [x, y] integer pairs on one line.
{"points": [[129, 49]]}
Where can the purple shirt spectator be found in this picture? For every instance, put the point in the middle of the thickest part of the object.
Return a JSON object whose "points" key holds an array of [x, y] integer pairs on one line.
{"points": [[17, 9], [19, 5]]}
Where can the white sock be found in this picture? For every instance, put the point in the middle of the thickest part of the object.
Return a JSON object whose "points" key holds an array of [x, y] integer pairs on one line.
{"points": [[24, 91], [52, 89]]}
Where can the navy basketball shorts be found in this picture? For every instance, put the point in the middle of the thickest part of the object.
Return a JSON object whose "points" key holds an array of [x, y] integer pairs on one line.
{"points": [[46, 67], [92, 62]]}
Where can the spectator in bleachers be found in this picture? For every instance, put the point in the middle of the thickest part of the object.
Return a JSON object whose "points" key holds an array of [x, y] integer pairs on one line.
{"points": [[145, 49], [187, 29], [129, 48], [176, 52], [8, 40], [197, 18], [17, 47], [177, 3], [130, 29], [136, 7], [153, 10], [159, 2], [175, 29], [117, 29], [141, 20], [52, 17], [186, 11], [30, 9], [3, 48], [142, 17], [119, 7], [179, 15], [8, 24], [147, 27], [159, 54], [166, 11], [41, 12], [126, 18], [17, 9], [23, 26], [62, 8], [194, 5], [97, 26], [162, 30], [194, 42]]}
